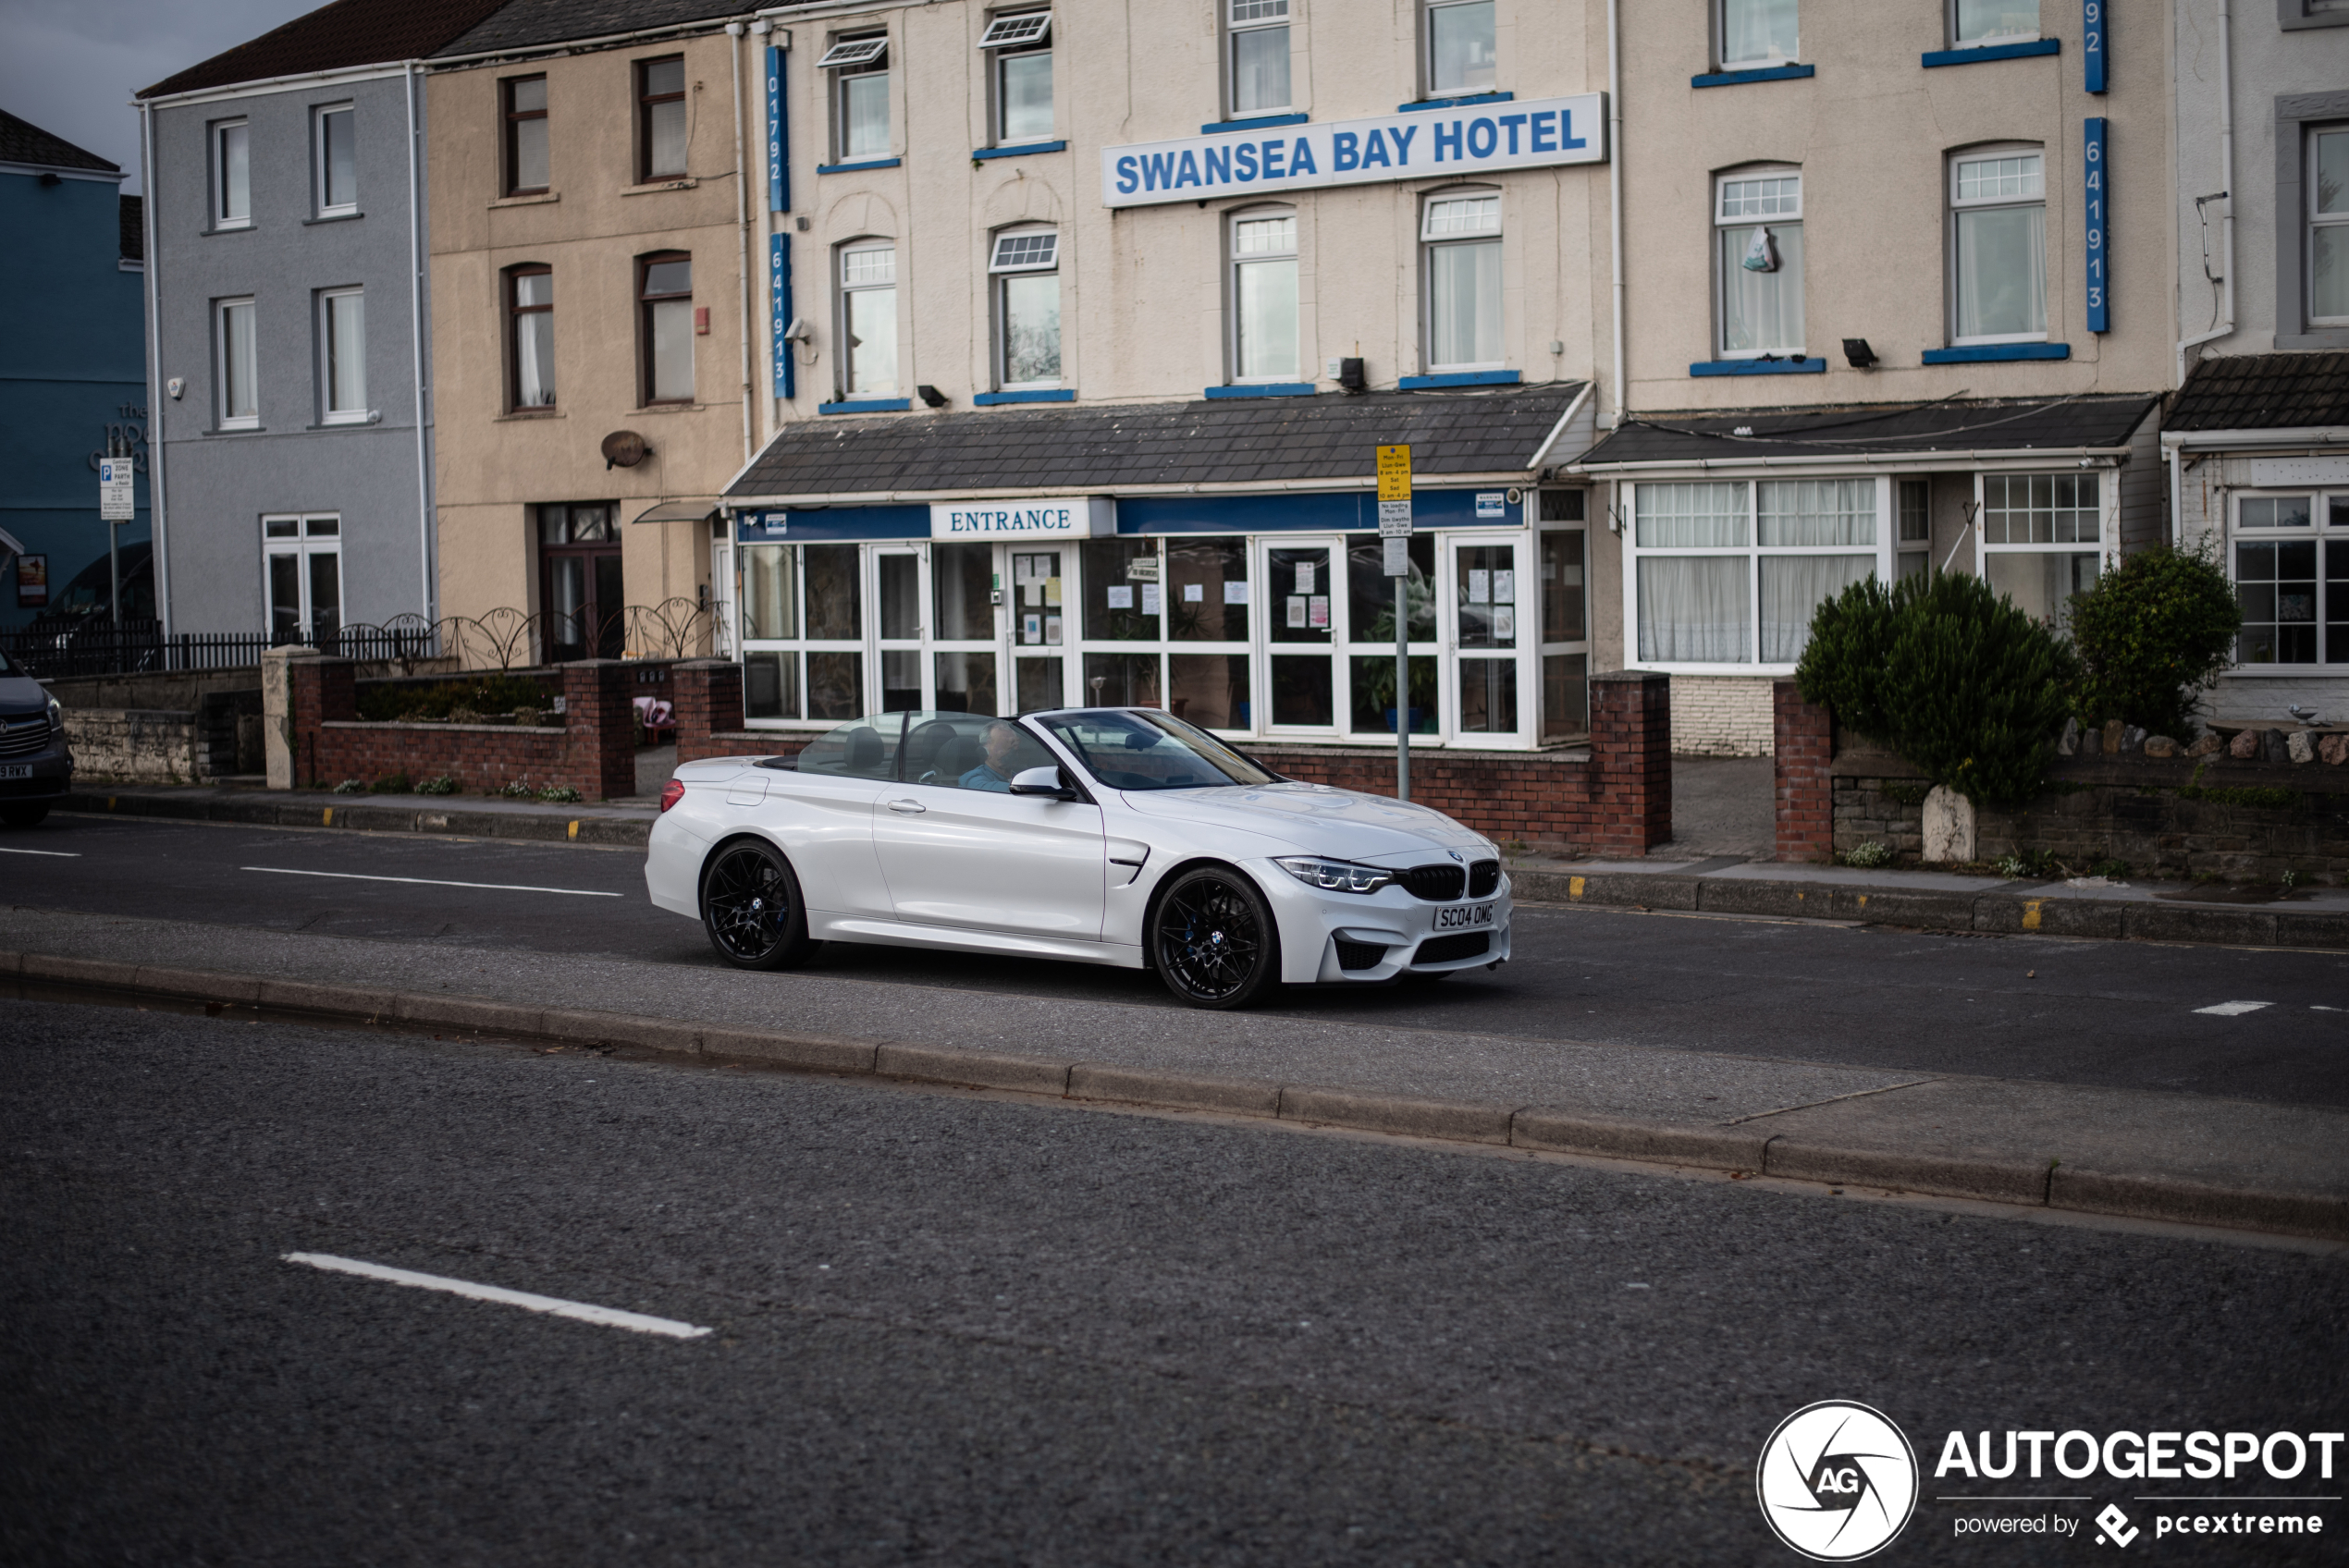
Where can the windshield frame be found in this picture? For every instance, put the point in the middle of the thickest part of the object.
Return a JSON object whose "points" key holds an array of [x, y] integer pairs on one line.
{"points": [[1208, 748]]}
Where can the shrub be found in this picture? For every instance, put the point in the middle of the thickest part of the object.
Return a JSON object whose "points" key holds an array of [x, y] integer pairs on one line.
{"points": [[1871, 854], [561, 794], [2152, 636], [444, 785], [391, 784], [351, 787], [1947, 673], [516, 789], [489, 691]]}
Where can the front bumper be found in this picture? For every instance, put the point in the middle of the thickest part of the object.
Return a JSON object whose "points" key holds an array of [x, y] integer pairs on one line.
{"points": [[1325, 936], [51, 776]]}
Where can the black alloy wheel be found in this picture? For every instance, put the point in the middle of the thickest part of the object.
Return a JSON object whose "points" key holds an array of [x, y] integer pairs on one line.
{"points": [[24, 815], [751, 907], [1213, 940]]}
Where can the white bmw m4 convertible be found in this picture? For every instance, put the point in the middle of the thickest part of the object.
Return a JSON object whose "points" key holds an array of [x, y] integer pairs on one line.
{"points": [[1114, 836]]}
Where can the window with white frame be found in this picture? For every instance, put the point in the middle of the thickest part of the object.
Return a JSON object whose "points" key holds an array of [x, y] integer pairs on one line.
{"points": [[1757, 220], [803, 632], [231, 173], [1025, 264], [2042, 539], [1021, 47], [1461, 57], [1264, 309], [860, 96], [1998, 242], [2291, 560], [236, 349], [1461, 235], [1914, 512], [1730, 573], [1992, 22], [1257, 52], [869, 319], [301, 573], [1756, 33], [334, 149], [342, 356], [666, 326], [2328, 188]]}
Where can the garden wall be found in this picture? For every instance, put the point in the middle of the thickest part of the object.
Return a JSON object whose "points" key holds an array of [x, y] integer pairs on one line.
{"points": [[592, 750]]}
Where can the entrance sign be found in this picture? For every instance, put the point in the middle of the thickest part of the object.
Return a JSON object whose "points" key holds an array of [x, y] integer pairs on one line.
{"points": [[116, 501], [1077, 517], [1449, 139]]}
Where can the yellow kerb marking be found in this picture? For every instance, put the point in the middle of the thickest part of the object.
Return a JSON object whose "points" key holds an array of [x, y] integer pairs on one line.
{"points": [[574, 830], [328, 820], [1863, 900], [2031, 913], [1574, 886]]}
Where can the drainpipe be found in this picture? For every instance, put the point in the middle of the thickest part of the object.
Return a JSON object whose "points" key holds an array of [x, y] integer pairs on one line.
{"points": [[158, 557], [416, 352], [742, 231], [1615, 189], [2227, 183]]}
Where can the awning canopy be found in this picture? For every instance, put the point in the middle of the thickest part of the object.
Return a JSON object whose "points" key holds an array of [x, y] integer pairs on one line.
{"points": [[1955, 429], [700, 510]]}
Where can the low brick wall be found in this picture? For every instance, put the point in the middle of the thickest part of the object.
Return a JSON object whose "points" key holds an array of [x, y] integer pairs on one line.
{"points": [[593, 751]]}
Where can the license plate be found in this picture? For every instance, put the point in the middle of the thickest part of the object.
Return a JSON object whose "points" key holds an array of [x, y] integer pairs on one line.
{"points": [[1463, 917], [16, 771]]}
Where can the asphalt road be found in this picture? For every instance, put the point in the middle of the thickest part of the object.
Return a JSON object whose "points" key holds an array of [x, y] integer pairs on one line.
{"points": [[958, 1330], [2107, 1013]]}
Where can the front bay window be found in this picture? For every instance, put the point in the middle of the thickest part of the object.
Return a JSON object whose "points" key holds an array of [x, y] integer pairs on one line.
{"points": [[2042, 539], [2289, 553], [1728, 575]]}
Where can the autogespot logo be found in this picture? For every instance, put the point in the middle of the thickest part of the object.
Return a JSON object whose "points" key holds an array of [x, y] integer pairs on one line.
{"points": [[1837, 1481]]}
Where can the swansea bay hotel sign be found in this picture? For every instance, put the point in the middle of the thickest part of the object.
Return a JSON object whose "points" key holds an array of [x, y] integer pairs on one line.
{"points": [[1466, 138]]}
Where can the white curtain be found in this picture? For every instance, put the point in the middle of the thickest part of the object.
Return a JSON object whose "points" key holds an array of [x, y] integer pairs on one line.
{"points": [[1692, 516], [1696, 609], [1762, 312], [2002, 272], [1795, 586], [1817, 511], [1755, 31]]}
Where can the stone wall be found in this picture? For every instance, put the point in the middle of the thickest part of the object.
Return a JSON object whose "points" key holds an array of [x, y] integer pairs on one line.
{"points": [[1721, 715], [136, 745]]}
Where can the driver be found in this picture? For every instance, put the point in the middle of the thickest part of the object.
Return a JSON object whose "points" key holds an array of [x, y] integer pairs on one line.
{"points": [[995, 772]]}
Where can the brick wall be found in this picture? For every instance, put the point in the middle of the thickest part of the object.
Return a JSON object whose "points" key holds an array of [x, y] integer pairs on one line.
{"points": [[1804, 744], [1721, 715]]}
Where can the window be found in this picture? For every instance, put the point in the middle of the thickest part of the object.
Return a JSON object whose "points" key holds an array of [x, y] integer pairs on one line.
{"points": [[2040, 539], [1914, 543], [869, 319], [1566, 625], [530, 300], [525, 135], [667, 327], [301, 573], [1730, 573], [860, 96], [1757, 220], [342, 356], [2329, 226], [1022, 46], [1257, 33], [2293, 613], [1999, 231], [661, 118], [336, 152], [1462, 234], [1028, 307], [231, 174], [1992, 22], [240, 391], [1264, 314], [1459, 47], [1758, 32], [803, 632], [582, 613]]}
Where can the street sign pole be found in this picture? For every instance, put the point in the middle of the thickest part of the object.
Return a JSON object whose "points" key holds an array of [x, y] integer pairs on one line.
{"points": [[118, 504], [1395, 536]]}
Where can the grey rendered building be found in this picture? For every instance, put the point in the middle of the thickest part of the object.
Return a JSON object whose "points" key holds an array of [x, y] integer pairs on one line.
{"points": [[290, 364]]}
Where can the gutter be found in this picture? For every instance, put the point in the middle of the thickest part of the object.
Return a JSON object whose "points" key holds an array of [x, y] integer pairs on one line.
{"points": [[274, 84], [1615, 193], [2227, 178], [1132, 492], [157, 554], [416, 352], [2102, 456], [601, 40], [742, 296], [2232, 440]]}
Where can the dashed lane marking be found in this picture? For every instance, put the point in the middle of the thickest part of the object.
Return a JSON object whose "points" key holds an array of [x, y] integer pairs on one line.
{"points": [[437, 882], [53, 854], [608, 1317], [2233, 1009]]}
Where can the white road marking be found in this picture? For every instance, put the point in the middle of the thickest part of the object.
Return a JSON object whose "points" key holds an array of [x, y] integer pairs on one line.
{"points": [[434, 882], [2233, 1009], [609, 1316], [53, 854]]}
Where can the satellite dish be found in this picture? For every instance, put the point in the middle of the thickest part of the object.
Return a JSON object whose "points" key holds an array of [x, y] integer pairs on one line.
{"points": [[624, 448]]}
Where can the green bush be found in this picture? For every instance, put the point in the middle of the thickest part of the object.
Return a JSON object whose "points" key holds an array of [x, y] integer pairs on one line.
{"points": [[491, 692], [391, 784], [2151, 637], [444, 785], [1950, 675]]}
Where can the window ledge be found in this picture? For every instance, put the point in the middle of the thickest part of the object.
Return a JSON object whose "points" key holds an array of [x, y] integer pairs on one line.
{"points": [[238, 430], [671, 408], [228, 228], [1988, 353], [867, 405], [1756, 73], [529, 414], [864, 163], [1039, 395], [1455, 103], [1982, 52], [2315, 337], [981, 154], [1759, 367], [345, 425], [1258, 122], [534, 199], [333, 217], [1459, 378], [1263, 390], [683, 182]]}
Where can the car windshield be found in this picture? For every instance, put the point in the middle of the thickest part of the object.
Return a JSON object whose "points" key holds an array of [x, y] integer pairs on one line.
{"points": [[1141, 749]]}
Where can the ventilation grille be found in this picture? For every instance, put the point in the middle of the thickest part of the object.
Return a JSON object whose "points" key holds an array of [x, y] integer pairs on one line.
{"points": [[22, 736], [1451, 950], [1436, 883], [1359, 955], [1484, 877]]}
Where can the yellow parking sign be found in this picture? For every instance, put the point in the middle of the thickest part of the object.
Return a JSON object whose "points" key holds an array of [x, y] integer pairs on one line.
{"points": [[1394, 473]]}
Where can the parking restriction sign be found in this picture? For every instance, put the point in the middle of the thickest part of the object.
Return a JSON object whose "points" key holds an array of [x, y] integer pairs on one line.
{"points": [[116, 502]]}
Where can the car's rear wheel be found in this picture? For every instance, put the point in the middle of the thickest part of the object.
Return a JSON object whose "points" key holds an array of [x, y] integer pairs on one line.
{"points": [[1213, 940], [751, 907], [24, 815]]}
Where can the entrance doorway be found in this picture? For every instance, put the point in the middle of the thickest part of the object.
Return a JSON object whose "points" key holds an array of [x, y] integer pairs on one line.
{"points": [[583, 610]]}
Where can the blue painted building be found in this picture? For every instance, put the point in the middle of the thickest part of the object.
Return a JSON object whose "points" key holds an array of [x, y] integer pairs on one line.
{"points": [[73, 375]]}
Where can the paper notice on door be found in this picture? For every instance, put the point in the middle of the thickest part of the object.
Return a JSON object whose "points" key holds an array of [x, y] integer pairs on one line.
{"points": [[1236, 593], [1504, 623], [1504, 587], [1051, 632], [1317, 614], [1121, 597], [1031, 629], [1053, 592], [1479, 590], [1296, 611], [1150, 598], [1305, 574], [1194, 592]]}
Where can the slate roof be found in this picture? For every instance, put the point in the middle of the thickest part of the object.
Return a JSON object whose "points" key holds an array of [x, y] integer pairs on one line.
{"points": [[524, 24], [335, 37], [1953, 426], [133, 233], [2264, 392], [22, 142], [1121, 446]]}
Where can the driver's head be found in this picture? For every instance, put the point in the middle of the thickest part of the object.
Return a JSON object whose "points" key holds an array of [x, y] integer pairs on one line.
{"points": [[1001, 741]]}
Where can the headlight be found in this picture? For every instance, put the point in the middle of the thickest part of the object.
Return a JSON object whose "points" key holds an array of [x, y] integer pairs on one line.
{"points": [[1335, 876], [56, 715]]}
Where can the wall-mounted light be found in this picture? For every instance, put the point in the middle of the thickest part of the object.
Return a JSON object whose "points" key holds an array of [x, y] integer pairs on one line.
{"points": [[930, 395], [1857, 351]]}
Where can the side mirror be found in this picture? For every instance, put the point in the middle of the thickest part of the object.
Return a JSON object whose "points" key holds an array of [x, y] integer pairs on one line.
{"points": [[1042, 782]]}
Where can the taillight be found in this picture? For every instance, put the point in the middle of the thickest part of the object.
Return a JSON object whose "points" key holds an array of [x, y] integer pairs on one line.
{"points": [[671, 792]]}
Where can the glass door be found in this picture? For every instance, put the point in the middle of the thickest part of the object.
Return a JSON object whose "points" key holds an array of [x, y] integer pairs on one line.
{"points": [[1038, 615], [1486, 580], [1301, 632], [1566, 632], [965, 648], [1124, 622], [582, 612], [1370, 628], [898, 625]]}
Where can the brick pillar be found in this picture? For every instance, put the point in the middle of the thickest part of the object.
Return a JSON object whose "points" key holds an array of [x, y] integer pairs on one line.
{"points": [[707, 694], [1805, 740], [602, 750], [1631, 746], [316, 689]]}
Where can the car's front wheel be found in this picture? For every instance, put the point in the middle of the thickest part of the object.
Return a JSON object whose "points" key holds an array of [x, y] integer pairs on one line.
{"points": [[750, 906], [1213, 940]]}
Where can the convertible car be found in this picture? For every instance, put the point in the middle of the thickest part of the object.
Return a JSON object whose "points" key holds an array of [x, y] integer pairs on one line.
{"points": [[1114, 836]]}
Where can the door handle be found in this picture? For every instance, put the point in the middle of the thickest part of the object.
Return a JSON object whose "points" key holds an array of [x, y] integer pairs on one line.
{"points": [[907, 808]]}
